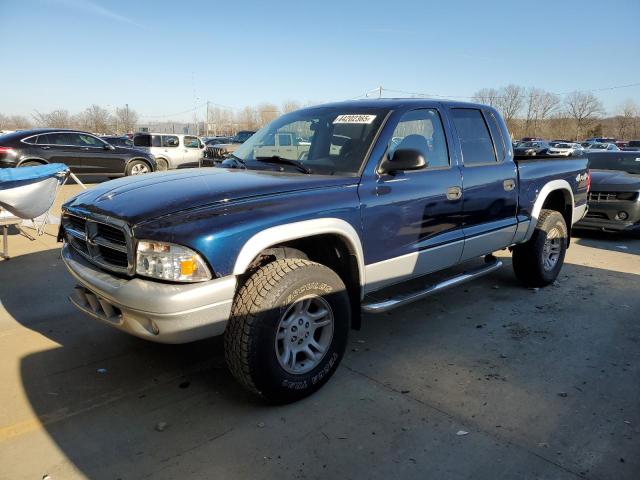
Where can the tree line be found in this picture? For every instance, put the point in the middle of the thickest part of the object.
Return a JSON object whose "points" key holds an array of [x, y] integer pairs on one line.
{"points": [[529, 112], [533, 112], [94, 119]]}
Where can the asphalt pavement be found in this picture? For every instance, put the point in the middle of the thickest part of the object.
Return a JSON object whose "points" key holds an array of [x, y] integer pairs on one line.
{"points": [[487, 381]]}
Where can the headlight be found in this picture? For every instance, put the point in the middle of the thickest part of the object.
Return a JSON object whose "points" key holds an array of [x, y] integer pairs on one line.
{"points": [[167, 261]]}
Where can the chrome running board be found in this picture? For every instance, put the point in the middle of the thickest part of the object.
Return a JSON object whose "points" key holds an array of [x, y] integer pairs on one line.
{"points": [[491, 264]]}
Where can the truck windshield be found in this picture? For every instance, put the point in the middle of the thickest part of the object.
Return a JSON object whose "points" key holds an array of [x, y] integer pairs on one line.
{"points": [[325, 140], [613, 161]]}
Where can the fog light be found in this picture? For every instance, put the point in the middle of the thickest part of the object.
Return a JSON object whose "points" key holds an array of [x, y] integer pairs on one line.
{"points": [[622, 216]]}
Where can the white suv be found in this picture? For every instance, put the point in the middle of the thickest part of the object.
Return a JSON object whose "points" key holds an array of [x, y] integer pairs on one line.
{"points": [[171, 150]]}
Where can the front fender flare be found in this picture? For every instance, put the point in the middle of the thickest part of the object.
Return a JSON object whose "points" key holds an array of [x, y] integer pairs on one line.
{"points": [[293, 231]]}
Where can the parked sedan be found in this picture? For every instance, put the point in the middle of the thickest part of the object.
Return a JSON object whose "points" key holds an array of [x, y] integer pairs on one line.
{"points": [[614, 199], [565, 149], [83, 152], [531, 148], [602, 147]]}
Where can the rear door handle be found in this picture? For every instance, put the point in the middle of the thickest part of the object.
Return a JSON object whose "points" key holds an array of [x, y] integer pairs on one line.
{"points": [[454, 193], [44, 147], [509, 185]]}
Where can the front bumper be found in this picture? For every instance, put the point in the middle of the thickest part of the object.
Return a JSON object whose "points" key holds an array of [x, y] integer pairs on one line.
{"points": [[160, 312], [601, 216]]}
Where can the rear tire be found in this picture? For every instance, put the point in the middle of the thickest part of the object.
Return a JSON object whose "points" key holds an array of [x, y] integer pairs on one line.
{"points": [[137, 167], [538, 262], [288, 329]]}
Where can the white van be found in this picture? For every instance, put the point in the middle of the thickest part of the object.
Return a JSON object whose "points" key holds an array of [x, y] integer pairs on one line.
{"points": [[171, 150]]}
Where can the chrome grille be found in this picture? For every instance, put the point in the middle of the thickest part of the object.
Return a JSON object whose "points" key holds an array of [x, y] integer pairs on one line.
{"points": [[602, 196], [105, 245]]}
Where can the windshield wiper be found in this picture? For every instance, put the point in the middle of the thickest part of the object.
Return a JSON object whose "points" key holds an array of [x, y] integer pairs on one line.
{"points": [[231, 156], [284, 161]]}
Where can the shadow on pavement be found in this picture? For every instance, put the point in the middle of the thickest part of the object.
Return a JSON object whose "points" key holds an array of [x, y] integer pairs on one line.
{"points": [[614, 242], [491, 355]]}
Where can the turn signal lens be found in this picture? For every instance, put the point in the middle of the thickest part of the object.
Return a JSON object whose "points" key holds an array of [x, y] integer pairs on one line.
{"points": [[188, 267]]}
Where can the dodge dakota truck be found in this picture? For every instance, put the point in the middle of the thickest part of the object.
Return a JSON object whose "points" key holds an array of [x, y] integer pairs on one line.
{"points": [[396, 199]]}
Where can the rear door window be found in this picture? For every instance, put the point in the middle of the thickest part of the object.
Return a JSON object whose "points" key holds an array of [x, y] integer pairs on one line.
{"points": [[473, 133], [170, 141], [64, 139]]}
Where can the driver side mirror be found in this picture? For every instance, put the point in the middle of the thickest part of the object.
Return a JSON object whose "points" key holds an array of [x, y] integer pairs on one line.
{"points": [[403, 159]]}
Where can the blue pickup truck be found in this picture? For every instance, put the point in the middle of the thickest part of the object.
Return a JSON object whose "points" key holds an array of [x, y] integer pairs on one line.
{"points": [[282, 253]]}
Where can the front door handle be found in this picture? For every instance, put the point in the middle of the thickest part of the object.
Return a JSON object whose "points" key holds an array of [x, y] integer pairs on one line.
{"points": [[454, 193], [45, 147], [509, 185]]}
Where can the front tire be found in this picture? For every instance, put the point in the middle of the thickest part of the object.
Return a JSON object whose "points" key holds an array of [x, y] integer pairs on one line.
{"points": [[288, 329], [538, 262], [163, 165]]}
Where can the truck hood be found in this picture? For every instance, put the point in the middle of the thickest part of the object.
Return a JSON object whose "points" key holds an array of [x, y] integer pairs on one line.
{"points": [[614, 180], [145, 197]]}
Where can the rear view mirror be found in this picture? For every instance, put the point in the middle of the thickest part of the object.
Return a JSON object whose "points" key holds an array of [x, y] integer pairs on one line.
{"points": [[403, 159]]}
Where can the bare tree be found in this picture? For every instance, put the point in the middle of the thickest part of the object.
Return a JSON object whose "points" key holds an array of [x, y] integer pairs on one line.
{"points": [[627, 118], [487, 96], [583, 108], [266, 113], [59, 118], [290, 106], [126, 119], [509, 102], [539, 105], [14, 122], [248, 118], [95, 119]]}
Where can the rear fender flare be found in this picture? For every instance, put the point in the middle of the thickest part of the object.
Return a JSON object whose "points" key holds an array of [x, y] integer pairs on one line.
{"points": [[552, 186]]}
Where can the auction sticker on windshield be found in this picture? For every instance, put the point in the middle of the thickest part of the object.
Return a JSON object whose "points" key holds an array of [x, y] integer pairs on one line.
{"points": [[354, 119]]}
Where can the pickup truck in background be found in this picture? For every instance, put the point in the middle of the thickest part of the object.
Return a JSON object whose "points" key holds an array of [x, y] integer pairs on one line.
{"points": [[282, 254], [285, 144]]}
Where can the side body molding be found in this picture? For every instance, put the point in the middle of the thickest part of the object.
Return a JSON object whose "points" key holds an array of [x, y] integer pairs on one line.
{"points": [[549, 187], [292, 231]]}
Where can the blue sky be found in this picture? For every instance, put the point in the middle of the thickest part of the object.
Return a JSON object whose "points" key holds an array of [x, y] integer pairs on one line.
{"points": [[153, 55]]}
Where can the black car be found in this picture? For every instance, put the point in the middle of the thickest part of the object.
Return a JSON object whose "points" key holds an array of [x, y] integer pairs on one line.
{"points": [[118, 141], [242, 136], [614, 199], [537, 147], [218, 141], [83, 152], [632, 146]]}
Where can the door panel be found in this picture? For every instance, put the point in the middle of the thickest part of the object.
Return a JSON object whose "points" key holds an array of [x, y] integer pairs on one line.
{"points": [[172, 150], [490, 186], [410, 226]]}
